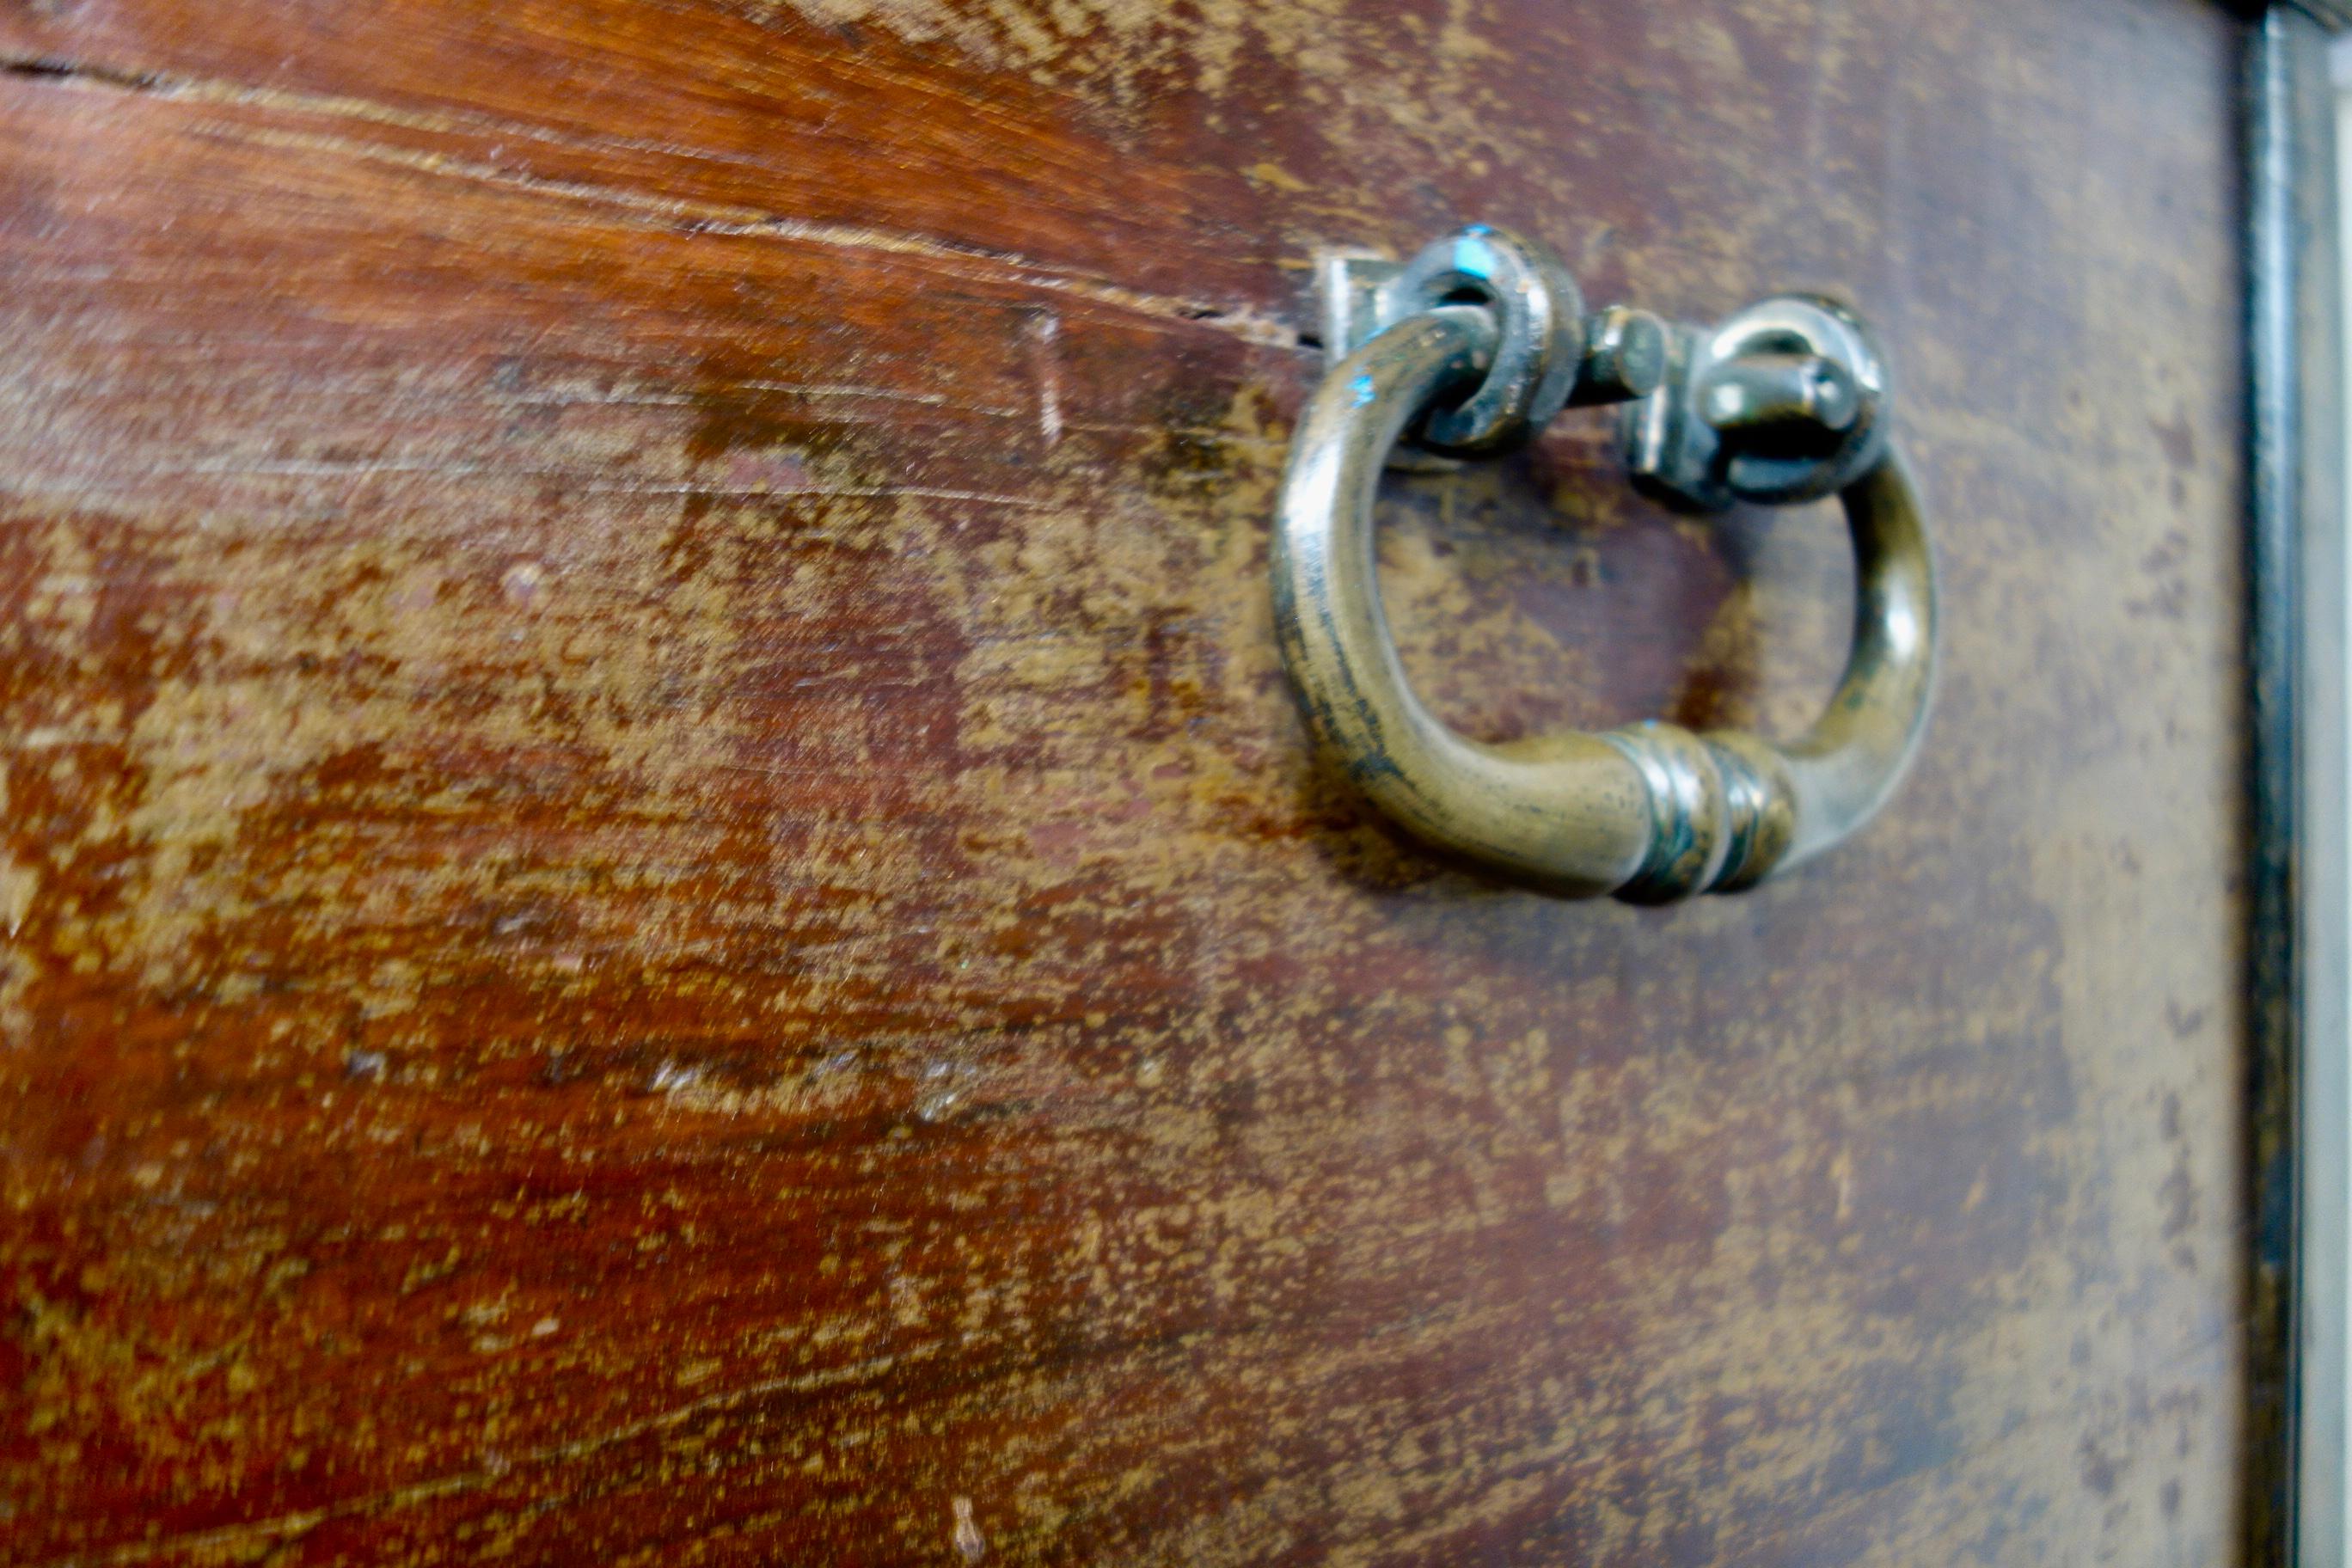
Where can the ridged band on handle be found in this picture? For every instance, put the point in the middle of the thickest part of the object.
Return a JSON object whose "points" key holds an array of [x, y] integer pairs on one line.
{"points": [[1652, 812]]}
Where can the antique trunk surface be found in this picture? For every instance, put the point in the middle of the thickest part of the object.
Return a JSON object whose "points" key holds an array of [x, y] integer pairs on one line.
{"points": [[663, 903]]}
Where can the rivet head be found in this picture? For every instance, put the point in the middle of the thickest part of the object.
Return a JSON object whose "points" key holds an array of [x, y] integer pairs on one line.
{"points": [[1624, 357]]}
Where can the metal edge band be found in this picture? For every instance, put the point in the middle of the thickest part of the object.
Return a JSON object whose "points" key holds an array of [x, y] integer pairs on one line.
{"points": [[2298, 1092]]}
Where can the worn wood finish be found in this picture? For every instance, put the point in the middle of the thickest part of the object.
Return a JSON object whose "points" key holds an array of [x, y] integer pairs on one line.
{"points": [[663, 903]]}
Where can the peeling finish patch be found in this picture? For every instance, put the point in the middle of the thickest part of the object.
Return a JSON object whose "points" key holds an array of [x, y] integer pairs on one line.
{"points": [[968, 1543], [1127, 41]]}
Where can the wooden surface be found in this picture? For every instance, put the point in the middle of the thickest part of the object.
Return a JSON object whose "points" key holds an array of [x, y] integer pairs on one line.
{"points": [[663, 904]]}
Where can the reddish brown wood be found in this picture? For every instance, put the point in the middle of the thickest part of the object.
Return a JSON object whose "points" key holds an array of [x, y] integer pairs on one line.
{"points": [[662, 903]]}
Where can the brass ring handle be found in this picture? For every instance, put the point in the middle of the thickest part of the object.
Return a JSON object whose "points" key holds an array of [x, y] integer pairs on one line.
{"points": [[1652, 812]]}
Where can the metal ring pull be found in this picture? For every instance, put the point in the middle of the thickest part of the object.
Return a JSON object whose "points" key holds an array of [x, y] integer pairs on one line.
{"points": [[1476, 343]]}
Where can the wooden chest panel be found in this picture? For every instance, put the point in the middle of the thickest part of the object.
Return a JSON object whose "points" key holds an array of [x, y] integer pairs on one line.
{"points": [[663, 903]]}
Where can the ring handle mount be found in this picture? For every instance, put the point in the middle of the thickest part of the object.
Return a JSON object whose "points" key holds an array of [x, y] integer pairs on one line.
{"points": [[1783, 402], [1550, 354]]}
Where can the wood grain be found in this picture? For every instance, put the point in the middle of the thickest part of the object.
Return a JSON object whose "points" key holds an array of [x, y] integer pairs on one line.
{"points": [[663, 904]]}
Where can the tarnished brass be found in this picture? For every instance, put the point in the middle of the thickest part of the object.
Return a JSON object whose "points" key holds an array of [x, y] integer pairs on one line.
{"points": [[1784, 402]]}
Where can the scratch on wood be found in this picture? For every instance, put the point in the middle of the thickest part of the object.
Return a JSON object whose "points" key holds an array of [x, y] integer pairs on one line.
{"points": [[1241, 322]]}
